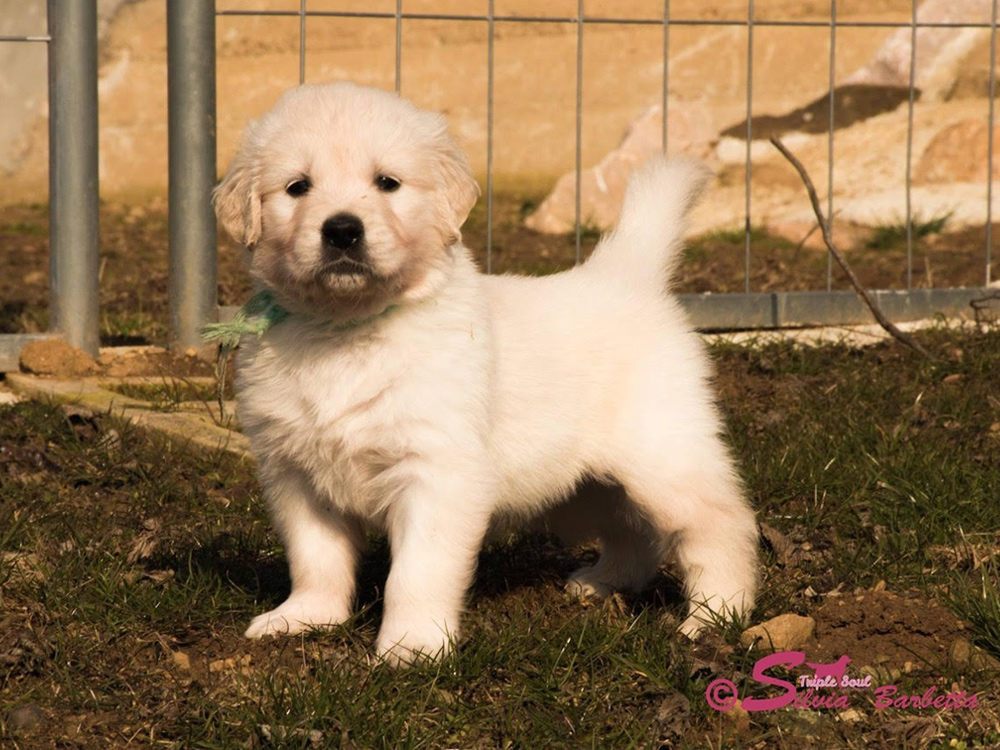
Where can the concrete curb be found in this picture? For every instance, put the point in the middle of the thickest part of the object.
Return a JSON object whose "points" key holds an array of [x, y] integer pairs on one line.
{"points": [[199, 422], [202, 429]]}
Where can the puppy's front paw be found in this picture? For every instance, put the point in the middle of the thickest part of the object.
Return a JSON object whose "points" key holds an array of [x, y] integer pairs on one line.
{"points": [[412, 648], [692, 628], [297, 614], [586, 583]]}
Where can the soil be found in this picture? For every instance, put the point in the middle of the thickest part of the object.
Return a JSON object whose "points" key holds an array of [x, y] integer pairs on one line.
{"points": [[877, 628]]}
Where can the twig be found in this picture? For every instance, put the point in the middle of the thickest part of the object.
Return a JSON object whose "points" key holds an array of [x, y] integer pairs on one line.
{"points": [[981, 307], [883, 321]]}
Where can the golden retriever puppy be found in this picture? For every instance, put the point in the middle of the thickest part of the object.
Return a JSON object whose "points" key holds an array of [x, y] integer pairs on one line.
{"points": [[402, 390]]}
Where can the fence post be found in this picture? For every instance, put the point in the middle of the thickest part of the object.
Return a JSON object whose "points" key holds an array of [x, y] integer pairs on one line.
{"points": [[191, 103], [73, 176]]}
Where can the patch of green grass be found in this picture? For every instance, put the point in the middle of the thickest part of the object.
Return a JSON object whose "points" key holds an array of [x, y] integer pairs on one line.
{"points": [[168, 394], [976, 598], [893, 234], [16, 317], [528, 207], [891, 478], [736, 236], [590, 232], [24, 228], [131, 328]]}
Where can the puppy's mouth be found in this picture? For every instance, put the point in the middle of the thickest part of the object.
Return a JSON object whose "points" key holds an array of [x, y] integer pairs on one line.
{"points": [[345, 267]]}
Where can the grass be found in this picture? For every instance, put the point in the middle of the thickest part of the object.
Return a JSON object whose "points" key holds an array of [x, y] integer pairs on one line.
{"points": [[130, 328], [737, 236], [130, 566], [978, 602], [169, 394], [892, 235], [25, 228]]}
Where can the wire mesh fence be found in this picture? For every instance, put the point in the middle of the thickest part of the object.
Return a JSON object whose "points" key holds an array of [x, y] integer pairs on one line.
{"points": [[491, 20], [192, 162]]}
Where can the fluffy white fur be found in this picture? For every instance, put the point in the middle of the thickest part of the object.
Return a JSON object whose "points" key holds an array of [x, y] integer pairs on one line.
{"points": [[411, 394]]}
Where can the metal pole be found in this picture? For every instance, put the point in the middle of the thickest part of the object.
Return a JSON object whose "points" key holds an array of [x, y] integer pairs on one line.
{"points": [[191, 104], [399, 45], [832, 124], [579, 126], [909, 145], [302, 42], [990, 146], [73, 178], [749, 162], [489, 139], [665, 94]]}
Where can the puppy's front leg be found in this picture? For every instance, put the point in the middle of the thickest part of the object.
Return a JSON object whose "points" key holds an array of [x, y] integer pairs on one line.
{"points": [[435, 531], [322, 545]]}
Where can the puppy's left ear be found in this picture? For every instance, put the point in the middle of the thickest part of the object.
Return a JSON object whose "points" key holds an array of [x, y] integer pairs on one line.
{"points": [[459, 188]]}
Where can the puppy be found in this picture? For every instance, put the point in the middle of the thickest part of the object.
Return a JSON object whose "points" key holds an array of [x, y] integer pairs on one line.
{"points": [[408, 393]]}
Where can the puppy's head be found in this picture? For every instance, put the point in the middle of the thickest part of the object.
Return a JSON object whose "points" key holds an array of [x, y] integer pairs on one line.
{"points": [[350, 199]]}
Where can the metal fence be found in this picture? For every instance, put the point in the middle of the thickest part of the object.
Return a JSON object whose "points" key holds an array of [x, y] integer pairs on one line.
{"points": [[192, 150], [73, 200]]}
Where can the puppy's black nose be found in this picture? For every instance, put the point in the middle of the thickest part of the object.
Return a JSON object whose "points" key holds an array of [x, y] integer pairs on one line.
{"points": [[342, 231]]}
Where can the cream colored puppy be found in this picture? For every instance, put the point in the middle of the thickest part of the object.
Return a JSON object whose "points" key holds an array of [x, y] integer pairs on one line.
{"points": [[407, 392]]}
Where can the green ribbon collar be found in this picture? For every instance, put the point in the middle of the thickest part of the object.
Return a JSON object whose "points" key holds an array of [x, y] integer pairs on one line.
{"points": [[256, 317]]}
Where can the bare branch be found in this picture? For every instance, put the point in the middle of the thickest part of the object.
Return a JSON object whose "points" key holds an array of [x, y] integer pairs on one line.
{"points": [[872, 305]]}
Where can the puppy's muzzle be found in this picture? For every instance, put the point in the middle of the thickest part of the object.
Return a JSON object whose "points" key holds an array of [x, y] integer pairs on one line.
{"points": [[343, 239]]}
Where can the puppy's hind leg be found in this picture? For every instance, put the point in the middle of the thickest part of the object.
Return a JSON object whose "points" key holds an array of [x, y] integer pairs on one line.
{"points": [[322, 545], [631, 551], [699, 507]]}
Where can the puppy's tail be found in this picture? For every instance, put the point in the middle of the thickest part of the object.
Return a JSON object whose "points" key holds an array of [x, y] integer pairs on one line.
{"points": [[645, 247]]}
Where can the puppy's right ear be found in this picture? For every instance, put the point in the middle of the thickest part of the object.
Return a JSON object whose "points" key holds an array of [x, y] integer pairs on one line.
{"points": [[237, 202]]}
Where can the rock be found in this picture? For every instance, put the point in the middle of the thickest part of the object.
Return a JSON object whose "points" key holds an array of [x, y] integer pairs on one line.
{"points": [[56, 357], [8, 397], [783, 548], [850, 716], [25, 716], [690, 130], [674, 707], [26, 564], [962, 203], [940, 51], [739, 717], [782, 633], [181, 660], [958, 153], [299, 736], [964, 654], [852, 104], [222, 665]]}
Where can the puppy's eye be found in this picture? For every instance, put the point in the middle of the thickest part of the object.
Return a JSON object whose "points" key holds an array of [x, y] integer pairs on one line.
{"points": [[298, 188], [387, 184]]}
